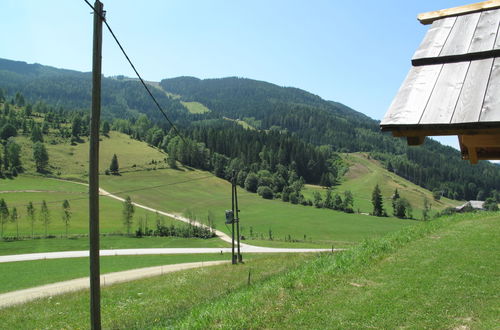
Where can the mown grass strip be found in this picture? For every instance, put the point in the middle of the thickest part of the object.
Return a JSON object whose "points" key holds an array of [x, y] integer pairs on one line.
{"points": [[151, 302], [27, 274]]}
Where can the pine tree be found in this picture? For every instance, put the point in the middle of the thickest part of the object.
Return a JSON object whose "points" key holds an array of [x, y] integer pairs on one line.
{"points": [[105, 128], [394, 198], [114, 168], [36, 134], [426, 209], [378, 206], [41, 157]]}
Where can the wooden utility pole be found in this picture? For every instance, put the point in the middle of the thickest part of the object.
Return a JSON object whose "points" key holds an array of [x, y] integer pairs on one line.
{"points": [[233, 256], [237, 220], [95, 285]]}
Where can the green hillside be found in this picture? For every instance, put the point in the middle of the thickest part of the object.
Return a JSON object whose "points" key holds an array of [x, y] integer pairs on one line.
{"points": [[71, 161], [147, 178], [364, 173]]}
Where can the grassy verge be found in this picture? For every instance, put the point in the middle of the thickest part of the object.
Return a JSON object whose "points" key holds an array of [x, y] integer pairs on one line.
{"points": [[439, 275], [106, 242], [26, 274], [149, 302]]}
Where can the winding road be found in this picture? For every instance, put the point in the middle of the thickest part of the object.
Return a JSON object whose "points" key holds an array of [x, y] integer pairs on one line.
{"points": [[22, 296]]}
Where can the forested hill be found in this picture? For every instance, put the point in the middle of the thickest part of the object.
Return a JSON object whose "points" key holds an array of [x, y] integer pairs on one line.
{"points": [[288, 123], [314, 120], [71, 90]]}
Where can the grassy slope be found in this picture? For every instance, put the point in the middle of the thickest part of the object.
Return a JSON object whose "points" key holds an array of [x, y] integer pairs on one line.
{"points": [[54, 192], [27, 274], [200, 192], [364, 174], [195, 107], [72, 161], [446, 278]]}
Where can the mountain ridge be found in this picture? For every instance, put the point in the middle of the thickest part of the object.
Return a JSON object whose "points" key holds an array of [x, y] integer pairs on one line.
{"points": [[265, 106]]}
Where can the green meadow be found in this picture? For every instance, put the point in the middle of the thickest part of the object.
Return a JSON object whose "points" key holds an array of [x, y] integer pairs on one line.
{"points": [[196, 193], [441, 274]]}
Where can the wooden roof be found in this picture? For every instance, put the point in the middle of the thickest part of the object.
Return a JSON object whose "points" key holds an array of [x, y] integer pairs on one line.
{"points": [[453, 87]]}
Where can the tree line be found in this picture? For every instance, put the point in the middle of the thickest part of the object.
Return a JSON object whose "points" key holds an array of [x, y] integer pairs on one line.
{"points": [[32, 215]]}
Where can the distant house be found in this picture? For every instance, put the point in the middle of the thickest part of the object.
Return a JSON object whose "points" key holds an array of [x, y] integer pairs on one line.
{"points": [[475, 205]]}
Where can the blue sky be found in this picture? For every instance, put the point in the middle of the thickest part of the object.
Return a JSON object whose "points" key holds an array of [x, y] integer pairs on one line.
{"points": [[354, 52]]}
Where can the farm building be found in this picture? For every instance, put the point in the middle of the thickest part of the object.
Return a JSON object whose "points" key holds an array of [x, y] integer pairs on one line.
{"points": [[475, 205]]}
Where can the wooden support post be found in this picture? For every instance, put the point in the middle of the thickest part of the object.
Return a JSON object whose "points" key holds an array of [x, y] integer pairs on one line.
{"points": [[95, 285]]}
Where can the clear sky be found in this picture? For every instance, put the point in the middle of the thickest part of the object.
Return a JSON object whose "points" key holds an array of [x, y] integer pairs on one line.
{"points": [[354, 52]]}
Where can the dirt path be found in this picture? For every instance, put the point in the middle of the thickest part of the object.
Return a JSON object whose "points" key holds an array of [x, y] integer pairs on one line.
{"points": [[26, 295]]}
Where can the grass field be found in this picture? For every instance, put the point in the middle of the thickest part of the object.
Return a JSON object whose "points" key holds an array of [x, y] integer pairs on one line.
{"points": [[196, 192], [18, 192], [364, 174], [26, 274], [106, 242], [439, 274], [195, 107]]}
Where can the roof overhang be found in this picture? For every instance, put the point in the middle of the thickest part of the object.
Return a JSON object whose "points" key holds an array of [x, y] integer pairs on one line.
{"points": [[453, 87]]}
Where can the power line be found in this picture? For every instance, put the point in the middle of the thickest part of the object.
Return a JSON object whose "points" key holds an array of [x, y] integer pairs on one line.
{"points": [[137, 73]]}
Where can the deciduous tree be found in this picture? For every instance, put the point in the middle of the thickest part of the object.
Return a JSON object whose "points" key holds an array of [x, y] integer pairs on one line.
{"points": [[66, 214], [128, 213]]}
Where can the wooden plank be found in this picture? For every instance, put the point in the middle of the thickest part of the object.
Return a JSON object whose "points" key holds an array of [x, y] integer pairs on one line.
{"points": [[467, 57], [486, 31], [491, 106], [437, 132], [409, 104], [459, 40], [443, 100], [435, 39], [430, 17], [471, 97]]}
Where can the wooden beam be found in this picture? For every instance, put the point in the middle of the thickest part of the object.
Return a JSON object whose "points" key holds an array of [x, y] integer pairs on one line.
{"points": [[467, 57], [428, 131], [429, 17], [415, 140], [483, 141]]}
